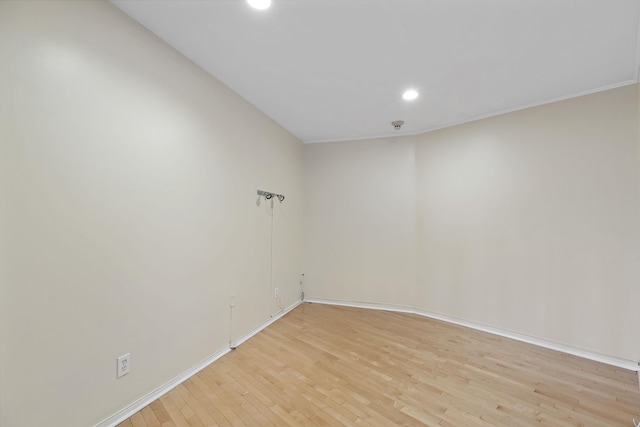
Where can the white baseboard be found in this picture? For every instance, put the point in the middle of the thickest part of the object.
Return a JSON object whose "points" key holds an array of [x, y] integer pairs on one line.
{"points": [[128, 411], [609, 360], [275, 317], [136, 406]]}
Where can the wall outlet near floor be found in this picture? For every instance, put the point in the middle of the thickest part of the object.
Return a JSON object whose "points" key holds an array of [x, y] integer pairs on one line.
{"points": [[276, 293], [124, 365]]}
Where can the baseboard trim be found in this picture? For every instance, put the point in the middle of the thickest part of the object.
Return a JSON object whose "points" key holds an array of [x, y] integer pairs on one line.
{"points": [[274, 318], [362, 304], [609, 360], [136, 406], [128, 411]]}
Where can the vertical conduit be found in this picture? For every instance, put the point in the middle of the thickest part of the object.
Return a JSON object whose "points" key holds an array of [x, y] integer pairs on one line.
{"points": [[269, 197]]}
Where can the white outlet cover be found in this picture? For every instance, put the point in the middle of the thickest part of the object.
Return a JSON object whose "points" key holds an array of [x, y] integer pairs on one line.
{"points": [[124, 365]]}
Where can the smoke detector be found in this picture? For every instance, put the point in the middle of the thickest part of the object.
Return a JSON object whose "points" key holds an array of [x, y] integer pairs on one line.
{"points": [[397, 124]]}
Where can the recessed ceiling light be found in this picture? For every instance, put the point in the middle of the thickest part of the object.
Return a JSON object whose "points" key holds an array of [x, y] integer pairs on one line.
{"points": [[259, 4], [409, 95]]}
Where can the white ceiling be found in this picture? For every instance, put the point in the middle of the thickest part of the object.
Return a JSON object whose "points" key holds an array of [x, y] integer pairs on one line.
{"points": [[335, 69]]}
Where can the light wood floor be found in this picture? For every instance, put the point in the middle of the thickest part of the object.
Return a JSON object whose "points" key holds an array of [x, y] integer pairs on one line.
{"points": [[324, 366]]}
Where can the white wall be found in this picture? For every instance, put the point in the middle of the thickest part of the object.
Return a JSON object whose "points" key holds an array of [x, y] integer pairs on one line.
{"points": [[526, 222], [128, 212]]}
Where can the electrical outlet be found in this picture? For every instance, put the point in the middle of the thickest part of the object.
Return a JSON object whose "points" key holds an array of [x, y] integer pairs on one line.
{"points": [[124, 365], [276, 293]]}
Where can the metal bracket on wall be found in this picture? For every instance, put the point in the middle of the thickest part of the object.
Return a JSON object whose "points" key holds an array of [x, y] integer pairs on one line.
{"points": [[267, 195]]}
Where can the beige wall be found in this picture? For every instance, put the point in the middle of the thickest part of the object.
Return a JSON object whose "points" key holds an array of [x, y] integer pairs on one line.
{"points": [[128, 216], [359, 216], [529, 222], [526, 222], [128, 213]]}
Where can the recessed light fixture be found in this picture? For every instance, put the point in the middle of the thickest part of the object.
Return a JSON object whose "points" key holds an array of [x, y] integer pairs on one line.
{"points": [[410, 95], [259, 4]]}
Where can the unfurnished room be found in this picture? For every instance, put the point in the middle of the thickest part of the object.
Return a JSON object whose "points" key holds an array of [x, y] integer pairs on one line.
{"points": [[319, 213]]}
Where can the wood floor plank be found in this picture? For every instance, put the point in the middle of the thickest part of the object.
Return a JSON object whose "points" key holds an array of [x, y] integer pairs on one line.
{"points": [[149, 417], [176, 416], [161, 414], [184, 402], [138, 420], [325, 365], [126, 423]]}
